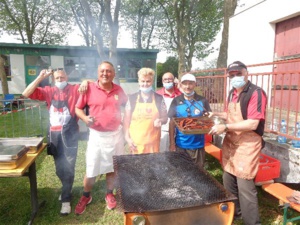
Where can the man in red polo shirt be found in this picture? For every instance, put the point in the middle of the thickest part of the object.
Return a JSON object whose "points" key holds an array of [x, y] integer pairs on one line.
{"points": [[104, 100], [168, 91]]}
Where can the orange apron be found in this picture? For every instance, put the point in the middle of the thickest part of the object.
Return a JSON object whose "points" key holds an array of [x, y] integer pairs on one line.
{"points": [[240, 150], [142, 130]]}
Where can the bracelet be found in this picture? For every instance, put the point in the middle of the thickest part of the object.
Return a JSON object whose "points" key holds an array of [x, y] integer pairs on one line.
{"points": [[226, 128]]}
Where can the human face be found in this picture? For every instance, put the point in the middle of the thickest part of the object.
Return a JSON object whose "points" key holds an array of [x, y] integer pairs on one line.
{"points": [[106, 74], [188, 86], [60, 76], [168, 78], [145, 81], [238, 79]]}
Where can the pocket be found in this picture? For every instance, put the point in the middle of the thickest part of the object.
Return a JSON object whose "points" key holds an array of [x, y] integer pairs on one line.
{"points": [[51, 149]]}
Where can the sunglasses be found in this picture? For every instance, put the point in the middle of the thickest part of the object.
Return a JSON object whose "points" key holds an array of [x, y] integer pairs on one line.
{"points": [[235, 75]]}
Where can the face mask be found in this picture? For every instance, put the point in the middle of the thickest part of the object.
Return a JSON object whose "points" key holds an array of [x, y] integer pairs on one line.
{"points": [[61, 85], [237, 81], [168, 85], [190, 94], [146, 90]]}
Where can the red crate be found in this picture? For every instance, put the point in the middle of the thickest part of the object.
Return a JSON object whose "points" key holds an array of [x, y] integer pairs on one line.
{"points": [[269, 168]]}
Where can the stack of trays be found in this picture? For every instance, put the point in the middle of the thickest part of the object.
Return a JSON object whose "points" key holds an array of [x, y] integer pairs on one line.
{"points": [[12, 156], [33, 143]]}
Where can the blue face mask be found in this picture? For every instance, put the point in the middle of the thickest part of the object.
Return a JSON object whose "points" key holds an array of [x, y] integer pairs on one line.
{"points": [[146, 90], [168, 85], [190, 94], [237, 81], [61, 85]]}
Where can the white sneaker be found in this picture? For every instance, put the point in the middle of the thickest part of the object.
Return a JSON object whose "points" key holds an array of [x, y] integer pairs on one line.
{"points": [[65, 208]]}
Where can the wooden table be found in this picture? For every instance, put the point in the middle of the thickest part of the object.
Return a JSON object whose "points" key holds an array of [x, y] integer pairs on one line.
{"points": [[28, 168]]}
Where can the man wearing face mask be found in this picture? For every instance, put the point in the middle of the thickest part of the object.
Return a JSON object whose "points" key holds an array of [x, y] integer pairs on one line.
{"points": [[188, 104], [244, 127], [168, 91], [145, 112], [63, 130]]}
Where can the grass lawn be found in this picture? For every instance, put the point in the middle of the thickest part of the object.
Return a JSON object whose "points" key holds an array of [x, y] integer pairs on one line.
{"points": [[15, 197]]}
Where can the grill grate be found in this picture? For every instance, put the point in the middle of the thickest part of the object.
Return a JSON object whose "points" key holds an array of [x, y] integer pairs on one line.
{"points": [[164, 181]]}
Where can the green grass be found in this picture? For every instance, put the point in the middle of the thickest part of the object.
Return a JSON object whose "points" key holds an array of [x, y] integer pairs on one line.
{"points": [[15, 195]]}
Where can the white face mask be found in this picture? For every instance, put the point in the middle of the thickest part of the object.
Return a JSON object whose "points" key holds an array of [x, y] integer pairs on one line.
{"points": [[237, 81], [61, 85], [146, 90], [190, 94], [168, 85]]}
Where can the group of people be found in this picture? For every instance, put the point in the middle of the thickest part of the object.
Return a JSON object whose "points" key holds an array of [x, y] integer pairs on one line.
{"points": [[147, 127]]}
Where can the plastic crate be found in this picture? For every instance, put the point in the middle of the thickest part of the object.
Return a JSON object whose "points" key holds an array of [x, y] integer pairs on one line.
{"points": [[269, 168]]}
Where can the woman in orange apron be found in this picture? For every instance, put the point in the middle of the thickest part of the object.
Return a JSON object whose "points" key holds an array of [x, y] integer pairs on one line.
{"points": [[145, 112]]}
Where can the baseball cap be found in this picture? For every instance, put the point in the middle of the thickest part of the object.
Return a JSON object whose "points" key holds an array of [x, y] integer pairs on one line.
{"points": [[236, 66], [189, 77]]}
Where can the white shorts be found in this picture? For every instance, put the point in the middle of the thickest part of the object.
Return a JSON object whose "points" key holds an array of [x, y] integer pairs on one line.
{"points": [[101, 147]]}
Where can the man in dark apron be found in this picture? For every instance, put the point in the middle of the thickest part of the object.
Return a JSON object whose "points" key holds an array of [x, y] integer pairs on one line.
{"points": [[63, 129], [244, 127]]}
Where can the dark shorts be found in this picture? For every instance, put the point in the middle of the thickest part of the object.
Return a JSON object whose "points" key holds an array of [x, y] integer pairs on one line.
{"points": [[197, 155]]}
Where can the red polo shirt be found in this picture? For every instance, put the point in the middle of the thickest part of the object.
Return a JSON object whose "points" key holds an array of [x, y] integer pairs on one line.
{"points": [[104, 106], [70, 93], [162, 92]]}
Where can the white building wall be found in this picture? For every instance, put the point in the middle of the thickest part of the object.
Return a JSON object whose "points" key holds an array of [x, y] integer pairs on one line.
{"points": [[252, 30], [17, 83]]}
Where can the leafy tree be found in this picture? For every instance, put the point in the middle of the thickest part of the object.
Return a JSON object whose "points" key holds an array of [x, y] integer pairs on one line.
{"points": [[142, 17], [193, 25], [229, 8], [3, 78], [108, 11], [35, 21], [170, 65]]}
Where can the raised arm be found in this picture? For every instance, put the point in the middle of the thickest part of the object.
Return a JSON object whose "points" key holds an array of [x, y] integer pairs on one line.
{"points": [[44, 74]]}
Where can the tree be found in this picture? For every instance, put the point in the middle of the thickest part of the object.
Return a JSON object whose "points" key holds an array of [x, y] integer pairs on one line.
{"points": [[34, 21], [3, 76], [142, 17], [193, 25], [229, 8], [170, 65], [110, 12]]}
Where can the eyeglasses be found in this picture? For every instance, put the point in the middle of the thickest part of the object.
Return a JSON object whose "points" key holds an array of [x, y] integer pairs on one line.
{"points": [[233, 75], [168, 79]]}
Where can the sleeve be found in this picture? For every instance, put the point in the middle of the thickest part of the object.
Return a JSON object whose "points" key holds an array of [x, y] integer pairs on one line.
{"points": [[42, 94], [257, 105], [82, 101]]}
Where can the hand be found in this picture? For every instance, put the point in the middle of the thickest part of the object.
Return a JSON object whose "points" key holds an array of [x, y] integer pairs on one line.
{"points": [[172, 147], [89, 120], [45, 73], [83, 87], [217, 129], [132, 146], [209, 114], [157, 123]]}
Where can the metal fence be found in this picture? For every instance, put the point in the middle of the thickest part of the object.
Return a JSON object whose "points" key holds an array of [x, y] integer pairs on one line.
{"points": [[23, 118], [282, 89]]}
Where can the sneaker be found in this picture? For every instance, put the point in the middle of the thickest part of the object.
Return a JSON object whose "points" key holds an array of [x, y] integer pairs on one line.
{"points": [[65, 208], [81, 205], [110, 201]]}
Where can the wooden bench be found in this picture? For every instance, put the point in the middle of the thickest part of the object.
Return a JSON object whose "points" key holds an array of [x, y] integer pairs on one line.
{"points": [[280, 191], [213, 150]]}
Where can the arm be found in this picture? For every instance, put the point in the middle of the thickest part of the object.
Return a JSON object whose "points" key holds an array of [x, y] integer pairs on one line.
{"points": [[34, 84], [172, 135], [84, 86], [163, 115], [126, 124]]}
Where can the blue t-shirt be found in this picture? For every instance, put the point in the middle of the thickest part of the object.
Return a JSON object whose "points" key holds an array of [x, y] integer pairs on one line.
{"points": [[180, 107]]}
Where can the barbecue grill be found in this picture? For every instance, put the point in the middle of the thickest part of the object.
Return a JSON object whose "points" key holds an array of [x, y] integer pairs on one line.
{"points": [[168, 188]]}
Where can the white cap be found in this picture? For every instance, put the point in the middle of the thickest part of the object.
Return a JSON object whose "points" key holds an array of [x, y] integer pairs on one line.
{"points": [[189, 77]]}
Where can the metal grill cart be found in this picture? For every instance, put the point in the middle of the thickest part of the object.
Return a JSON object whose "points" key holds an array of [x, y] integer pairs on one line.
{"points": [[168, 188]]}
